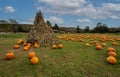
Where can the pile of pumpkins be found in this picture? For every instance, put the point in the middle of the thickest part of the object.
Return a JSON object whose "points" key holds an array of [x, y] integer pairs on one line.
{"points": [[111, 52], [32, 56], [27, 46]]}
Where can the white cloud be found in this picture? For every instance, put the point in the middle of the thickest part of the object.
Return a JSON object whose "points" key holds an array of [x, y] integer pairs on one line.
{"points": [[61, 6], [85, 21], [80, 8], [109, 10], [54, 19], [9, 9]]}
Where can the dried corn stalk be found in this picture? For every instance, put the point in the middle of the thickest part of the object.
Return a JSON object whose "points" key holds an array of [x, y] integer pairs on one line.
{"points": [[41, 32]]}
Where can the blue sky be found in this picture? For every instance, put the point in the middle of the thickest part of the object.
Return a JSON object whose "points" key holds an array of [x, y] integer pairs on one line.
{"points": [[68, 13]]}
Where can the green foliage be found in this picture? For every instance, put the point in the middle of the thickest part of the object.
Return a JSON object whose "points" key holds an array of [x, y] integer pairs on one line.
{"points": [[101, 28], [56, 27], [49, 23], [78, 30], [86, 30]]}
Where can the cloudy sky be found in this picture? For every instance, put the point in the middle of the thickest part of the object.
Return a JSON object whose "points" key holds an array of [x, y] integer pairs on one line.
{"points": [[63, 12]]}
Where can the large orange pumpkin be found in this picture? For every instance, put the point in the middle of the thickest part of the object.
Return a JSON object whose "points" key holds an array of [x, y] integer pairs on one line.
{"points": [[60, 46], [10, 55], [36, 45], [112, 54], [98, 47], [34, 60], [20, 41], [29, 44], [87, 44], [25, 48], [31, 54], [16, 46], [111, 49], [54, 46], [115, 43], [111, 60], [104, 44]]}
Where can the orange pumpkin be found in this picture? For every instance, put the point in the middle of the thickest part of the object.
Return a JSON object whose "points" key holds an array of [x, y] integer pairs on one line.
{"points": [[29, 44], [112, 54], [54, 46], [87, 44], [98, 47], [10, 55], [16, 46], [25, 48], [36, 45], [25, 44], [111, 60], [115, 43], [31, 54], [34, 60], [20, 41], [60, 46], [104, 44], [111, 49]]}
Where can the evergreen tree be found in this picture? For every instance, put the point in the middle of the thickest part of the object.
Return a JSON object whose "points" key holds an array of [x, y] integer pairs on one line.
{"points": [[78, 29], [49, 23], [56, 27], [86, 29]]}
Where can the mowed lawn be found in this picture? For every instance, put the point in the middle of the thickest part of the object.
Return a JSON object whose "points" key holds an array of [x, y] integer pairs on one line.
{"points": [[73, 60]]}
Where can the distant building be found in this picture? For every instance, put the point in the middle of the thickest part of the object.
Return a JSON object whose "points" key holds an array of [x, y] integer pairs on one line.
{"points": [[68, 29]]}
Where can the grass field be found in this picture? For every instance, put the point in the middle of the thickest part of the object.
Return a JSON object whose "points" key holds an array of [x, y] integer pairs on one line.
{"points": [[74, 60]]}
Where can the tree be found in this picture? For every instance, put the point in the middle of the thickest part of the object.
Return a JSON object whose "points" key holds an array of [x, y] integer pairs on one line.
{"points": [[56, 27], [78, 29], [14, 25], [49, 23], [3, 22], [13, 21], [101, 28], [86, 29]]}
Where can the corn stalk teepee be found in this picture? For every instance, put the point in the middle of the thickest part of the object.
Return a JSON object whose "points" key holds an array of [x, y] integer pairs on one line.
{"points": [[41, 32]]}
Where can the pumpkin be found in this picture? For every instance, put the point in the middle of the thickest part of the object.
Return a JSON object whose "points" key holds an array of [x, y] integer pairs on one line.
{"points": [[104, 44], [31, 54], [54, 46], [20, 41], [60, 46], [34, 60], [112, 54], [87, 44], [111, 60], [96, 44], [10, 55], [16, 46], [36, 45], [29, 44], [115, 43], [25, 48], [98, 47], [111, 49], [25, 44]]}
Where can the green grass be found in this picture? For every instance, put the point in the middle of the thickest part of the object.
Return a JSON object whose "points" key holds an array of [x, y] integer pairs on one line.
{"points": [[74, 60]]}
